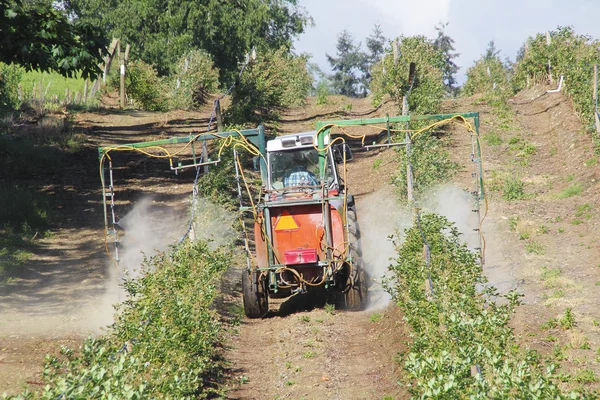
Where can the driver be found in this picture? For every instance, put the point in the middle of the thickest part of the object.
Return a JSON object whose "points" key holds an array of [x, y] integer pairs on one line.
{"points": [[300, 176]]}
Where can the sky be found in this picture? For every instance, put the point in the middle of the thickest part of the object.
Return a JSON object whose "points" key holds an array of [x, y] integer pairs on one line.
{"points": [[472, 23]]}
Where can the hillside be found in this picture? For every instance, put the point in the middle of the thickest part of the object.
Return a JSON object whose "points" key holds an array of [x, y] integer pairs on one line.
{"points": [[540, 241]]}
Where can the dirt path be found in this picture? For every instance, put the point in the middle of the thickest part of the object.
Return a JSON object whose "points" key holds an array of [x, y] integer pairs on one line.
{"points": [[302, 352]]}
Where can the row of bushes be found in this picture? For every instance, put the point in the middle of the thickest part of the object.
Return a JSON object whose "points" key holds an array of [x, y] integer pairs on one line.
{"points": [[570, 54], [274, 80], [196, 78], [461, 344], [165, 340]]}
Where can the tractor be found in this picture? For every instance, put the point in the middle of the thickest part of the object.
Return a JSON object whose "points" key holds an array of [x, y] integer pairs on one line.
{"points": [[306, 233], [305, 230]]}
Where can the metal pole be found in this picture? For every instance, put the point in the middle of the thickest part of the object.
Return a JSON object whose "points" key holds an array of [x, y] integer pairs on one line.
{"points": [[262, 148], [409, 175]]}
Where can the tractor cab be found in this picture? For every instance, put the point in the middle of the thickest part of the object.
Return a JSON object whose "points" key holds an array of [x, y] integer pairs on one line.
{"points": [[294, 165]]}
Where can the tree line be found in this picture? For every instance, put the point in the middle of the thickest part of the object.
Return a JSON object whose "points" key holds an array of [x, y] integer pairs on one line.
{"points": [[353, 67]]}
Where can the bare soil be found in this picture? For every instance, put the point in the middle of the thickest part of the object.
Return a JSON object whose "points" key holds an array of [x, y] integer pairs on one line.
{"points": [[301, 350]]}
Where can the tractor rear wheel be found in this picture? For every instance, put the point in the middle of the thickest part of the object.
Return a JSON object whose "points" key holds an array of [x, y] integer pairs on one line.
{"points": [[356, 291], [256, 300]]}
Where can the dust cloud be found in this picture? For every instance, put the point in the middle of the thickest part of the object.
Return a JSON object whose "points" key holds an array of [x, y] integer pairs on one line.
{"points": [[381, 214], [150, 227]]}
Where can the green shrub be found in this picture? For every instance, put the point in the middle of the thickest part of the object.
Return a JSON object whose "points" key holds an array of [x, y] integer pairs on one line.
{"points": [[488, 75], [430, 161], [513, 189], [276, 80], [22, 209], [165, 340], [322, 92], [195, 80], [10, 76], [143, 86], [391, 79], [457, 329], [492, 139]]}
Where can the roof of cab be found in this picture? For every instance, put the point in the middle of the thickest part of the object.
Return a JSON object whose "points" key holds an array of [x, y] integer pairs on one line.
{"points": [[276, 144]]}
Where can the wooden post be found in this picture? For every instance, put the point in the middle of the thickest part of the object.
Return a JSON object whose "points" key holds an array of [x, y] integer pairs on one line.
{"points": [[85, 91], [109, 58], [548, 43], [395, 50], [122, 73], [595, 94], [219, 116]]}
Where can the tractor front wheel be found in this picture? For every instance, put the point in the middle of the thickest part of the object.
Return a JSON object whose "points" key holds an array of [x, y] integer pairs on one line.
{"points": [[256, 300]]}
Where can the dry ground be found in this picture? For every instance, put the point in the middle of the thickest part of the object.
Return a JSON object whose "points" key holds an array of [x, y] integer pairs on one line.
{"points": [[64, 292]]}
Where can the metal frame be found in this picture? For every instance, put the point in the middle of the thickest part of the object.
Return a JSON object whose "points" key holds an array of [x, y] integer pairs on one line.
{"points": [[255, 136], [324, 128]]}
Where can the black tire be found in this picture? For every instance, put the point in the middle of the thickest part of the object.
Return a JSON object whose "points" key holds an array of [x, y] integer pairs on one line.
{"points": [[356, 290], [256, 300]]}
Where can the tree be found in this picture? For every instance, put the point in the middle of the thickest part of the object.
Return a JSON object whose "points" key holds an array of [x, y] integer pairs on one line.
{"points": [[347, 66], [38, 36], [445, 44], [390, 77], [489, 74], [161, 31], [375, 45], [491, 51], [275, 80]]}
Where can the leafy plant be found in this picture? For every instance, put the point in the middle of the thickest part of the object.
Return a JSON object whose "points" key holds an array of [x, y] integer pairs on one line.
{"points": [[488, 74], [375, 317], [143, 86], [584, 210], [571, 55], [543, 229], [392, 78], [329, 308], [567, 321], [514, 189], [492, 139], [430, 162], [512, 223], [534, 248], [226, 30], [585, 376], [10, 76], [195, 79], [276, 80], [164, 342], [551, 323]]}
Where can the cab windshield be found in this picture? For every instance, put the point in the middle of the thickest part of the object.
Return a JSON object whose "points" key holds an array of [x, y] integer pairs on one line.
{"points": [[296, 168]]}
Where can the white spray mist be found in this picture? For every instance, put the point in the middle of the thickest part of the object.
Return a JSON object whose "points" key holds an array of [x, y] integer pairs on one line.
{"points": [[381, 214], [149, 227]]}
